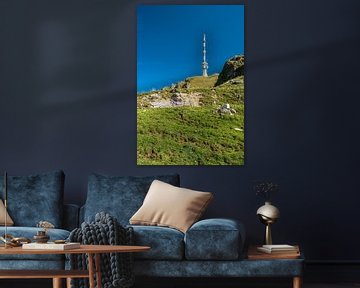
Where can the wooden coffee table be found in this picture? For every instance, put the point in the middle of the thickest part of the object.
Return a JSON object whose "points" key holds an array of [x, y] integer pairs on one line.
{"points": [[57, 275]]}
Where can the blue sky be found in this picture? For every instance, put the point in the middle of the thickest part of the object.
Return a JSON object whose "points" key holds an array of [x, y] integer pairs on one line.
{"points": [[169, 41]]}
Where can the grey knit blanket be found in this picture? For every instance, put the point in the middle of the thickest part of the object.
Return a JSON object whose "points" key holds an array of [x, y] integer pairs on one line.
{"points": [[116, 268]]}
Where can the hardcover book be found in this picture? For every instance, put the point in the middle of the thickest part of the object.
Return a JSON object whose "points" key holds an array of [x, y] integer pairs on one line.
{"points": [[51, 246], [277, 249]]}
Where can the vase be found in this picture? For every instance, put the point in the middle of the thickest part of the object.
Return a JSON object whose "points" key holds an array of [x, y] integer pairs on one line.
{"points": [[41, 237]]}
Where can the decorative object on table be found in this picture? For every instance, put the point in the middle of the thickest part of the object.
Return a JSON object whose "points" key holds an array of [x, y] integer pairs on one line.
{"points": [[116, 268], [268, 213], [11, 241], [41, 236], [60, 241], [45, 225]]}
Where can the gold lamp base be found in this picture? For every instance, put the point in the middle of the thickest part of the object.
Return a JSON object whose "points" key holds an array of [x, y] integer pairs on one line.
{"points": [[268, 238]]}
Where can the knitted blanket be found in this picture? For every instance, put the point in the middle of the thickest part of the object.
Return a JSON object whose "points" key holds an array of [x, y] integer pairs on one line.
{"points": [[116, 268]]}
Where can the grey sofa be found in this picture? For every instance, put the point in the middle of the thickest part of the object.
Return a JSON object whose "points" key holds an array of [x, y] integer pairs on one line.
{"points": [[210, 248], [32, 199]]}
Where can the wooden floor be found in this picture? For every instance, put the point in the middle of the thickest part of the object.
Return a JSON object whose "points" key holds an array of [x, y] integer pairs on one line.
{"points": [[45, 283], [339, 285], [254, 284]]}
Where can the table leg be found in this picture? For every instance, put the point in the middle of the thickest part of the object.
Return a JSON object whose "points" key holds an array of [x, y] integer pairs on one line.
{"points": [[297, 282], [91, 270], [98, 270], [68, 282], [57, 283]]}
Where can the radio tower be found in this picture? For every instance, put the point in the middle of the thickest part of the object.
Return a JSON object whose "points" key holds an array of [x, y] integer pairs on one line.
{"points": [[205, 65]]}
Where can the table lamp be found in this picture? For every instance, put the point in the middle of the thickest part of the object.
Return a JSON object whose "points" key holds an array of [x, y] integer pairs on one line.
{"points": [[268, 214]]}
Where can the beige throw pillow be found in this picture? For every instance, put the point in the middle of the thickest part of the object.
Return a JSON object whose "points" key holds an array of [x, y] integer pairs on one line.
{"points": [[170, 206], [9, 221]]}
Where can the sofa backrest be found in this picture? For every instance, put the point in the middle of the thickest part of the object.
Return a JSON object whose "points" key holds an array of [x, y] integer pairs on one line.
{"points": [[70, 219], [119, 196], [35, 198]]}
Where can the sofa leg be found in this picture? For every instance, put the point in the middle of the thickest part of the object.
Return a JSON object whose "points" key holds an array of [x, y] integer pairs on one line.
{"points": [[297, 282], [57, 283]]}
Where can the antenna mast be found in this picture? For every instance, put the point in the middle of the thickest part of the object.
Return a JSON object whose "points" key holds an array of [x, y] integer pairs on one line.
{"points": [[205, 65]]}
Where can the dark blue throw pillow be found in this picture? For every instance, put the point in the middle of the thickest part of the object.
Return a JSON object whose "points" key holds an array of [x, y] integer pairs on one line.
{"points": [[35, 198], [119, 196]]}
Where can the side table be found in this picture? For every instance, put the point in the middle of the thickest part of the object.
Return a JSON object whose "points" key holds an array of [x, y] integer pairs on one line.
{"points": [[288, 259]]}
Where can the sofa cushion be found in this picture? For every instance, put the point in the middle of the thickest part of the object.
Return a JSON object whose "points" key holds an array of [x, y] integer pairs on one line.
{"points": [[165, 243], [35, 198], [29, 232], [170, 206], [9, 221], [214, 239], [119, 196], [221, 269]]}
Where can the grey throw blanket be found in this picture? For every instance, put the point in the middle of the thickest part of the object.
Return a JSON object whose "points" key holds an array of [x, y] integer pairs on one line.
{"points": [[116, 268]]}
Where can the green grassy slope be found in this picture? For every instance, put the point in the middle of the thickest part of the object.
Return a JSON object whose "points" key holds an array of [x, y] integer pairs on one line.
{"points": [[193, 135], [202, 82]]}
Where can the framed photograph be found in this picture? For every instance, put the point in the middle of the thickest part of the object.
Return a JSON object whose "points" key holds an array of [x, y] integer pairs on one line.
{"points": [[190, 85]]}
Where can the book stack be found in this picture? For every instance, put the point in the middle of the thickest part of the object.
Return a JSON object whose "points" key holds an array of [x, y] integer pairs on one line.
{"points": [[282, 251], [279, 249], [51, 246]]}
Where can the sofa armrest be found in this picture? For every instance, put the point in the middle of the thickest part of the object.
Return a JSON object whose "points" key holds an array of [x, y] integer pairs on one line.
{"points": [[215, 239], [71, 216], [81, 214]]}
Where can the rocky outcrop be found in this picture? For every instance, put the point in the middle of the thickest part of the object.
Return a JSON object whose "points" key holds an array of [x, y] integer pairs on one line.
{"points": [[176, 99], [226, 109], [234, 67], [185, 99]]}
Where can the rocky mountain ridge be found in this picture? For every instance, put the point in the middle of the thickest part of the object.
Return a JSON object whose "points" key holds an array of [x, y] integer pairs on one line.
{"points": [[197, 121], [233, 68], [198, 90]]}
